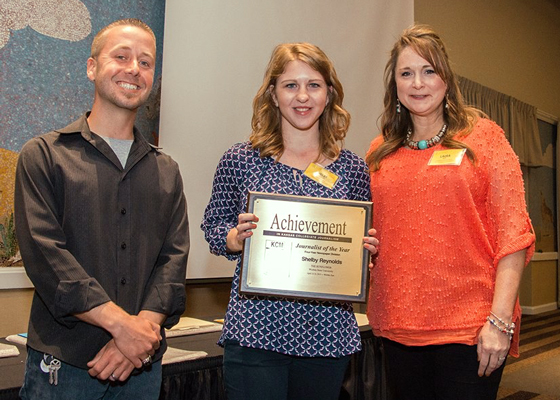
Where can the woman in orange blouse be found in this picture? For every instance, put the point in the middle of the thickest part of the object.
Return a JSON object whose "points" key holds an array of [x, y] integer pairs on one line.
{"points": [[455, 235]]}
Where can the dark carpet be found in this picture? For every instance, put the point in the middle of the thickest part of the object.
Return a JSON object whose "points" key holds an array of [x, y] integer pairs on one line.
{"points": [[535, 374]]}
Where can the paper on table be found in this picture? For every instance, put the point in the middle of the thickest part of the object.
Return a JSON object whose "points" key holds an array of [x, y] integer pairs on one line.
{"points": [[20, 338], [174, 355], [362, 319], [8, 350], [192, 326]]}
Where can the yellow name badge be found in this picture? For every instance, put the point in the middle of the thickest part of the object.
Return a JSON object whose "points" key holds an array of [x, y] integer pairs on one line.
{"points": [[447, 157], [321, 175]]}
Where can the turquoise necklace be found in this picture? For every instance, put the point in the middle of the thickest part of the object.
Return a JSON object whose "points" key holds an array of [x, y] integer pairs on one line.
{"points": [[424, 144]]}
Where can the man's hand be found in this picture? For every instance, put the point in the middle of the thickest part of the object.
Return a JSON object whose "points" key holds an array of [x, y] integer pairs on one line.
{"points": [[110, 364], [137, 338]]}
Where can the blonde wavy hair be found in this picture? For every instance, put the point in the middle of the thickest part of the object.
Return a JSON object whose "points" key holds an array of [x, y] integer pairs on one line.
{"points": [[460, 119], [266, 124]]}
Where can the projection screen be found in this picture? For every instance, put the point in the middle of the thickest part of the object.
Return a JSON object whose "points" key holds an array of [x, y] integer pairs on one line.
{"points": [[215, 54]]}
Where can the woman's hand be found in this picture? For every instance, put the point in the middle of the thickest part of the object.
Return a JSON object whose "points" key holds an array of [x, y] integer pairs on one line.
{"points": [[493, 345], [371, 243], [492, 349], [244, 229]]}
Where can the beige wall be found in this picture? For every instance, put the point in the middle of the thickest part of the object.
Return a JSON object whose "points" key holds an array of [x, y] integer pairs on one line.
{"points": [[508, 45], [511, 46], [207, 300], [538, 287], [15, 305]]}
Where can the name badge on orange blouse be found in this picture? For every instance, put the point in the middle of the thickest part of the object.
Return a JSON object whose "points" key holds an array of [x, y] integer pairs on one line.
{"points": [[447, 157], [321, 175]]}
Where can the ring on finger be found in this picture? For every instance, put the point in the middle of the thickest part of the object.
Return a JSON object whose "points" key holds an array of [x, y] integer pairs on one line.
{"points": [[147, 360], [113, 376]]}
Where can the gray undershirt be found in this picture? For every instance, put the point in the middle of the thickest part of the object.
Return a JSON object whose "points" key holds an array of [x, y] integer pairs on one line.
{"points": [[121, 147]]}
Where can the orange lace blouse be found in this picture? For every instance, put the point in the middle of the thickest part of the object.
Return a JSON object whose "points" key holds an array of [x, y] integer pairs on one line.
{"points": [[442, 231]]}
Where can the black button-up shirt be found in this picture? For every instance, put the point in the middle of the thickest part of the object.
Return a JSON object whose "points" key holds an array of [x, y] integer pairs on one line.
{"points": [[91, 231]]}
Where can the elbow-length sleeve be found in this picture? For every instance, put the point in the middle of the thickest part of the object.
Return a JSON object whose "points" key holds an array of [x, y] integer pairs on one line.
{"points": [[510, 226]]}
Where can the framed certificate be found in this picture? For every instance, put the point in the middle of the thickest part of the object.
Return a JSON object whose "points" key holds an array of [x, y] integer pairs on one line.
{"points": [[307, 247]]}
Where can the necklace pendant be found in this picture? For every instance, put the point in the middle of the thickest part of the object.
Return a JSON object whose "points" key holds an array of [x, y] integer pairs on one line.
{"points": [[424, 144]]}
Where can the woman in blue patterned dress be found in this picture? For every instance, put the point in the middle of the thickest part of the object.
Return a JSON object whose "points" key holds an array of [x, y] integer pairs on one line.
{"points": [[279, 348]]}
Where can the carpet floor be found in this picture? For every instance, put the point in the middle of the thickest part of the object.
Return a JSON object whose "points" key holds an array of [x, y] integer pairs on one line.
{"points": [[535, 375]]}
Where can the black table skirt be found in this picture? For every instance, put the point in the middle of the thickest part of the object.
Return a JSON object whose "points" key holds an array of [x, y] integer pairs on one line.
{"points": [[198, 379], [365, 379], [202, 379]]}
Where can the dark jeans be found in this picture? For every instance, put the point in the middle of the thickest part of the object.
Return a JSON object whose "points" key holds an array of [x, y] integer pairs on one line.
{"points": [[76, 384], [437, 372], [254, 374]]}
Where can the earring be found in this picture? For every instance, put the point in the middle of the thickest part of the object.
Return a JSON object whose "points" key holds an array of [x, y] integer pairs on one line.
{"points": [[447, 101], [398, 106]]}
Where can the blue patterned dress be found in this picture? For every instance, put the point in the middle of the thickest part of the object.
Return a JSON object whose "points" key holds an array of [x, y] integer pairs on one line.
{"points": [[294, 327]]}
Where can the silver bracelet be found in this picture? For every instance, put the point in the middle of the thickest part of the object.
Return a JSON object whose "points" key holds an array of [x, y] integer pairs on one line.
{"points": [[508, 326], [505, 330]]}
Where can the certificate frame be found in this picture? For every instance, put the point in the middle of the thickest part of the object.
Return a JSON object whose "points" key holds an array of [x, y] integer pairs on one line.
{"points": [[307, 248]]}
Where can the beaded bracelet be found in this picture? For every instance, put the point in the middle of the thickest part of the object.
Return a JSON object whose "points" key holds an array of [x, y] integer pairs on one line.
{"points": [[509, 326], [507, 329]]}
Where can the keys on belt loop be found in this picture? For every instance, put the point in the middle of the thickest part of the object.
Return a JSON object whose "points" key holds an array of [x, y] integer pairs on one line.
{"points": [[51, 367], [54, 366]]}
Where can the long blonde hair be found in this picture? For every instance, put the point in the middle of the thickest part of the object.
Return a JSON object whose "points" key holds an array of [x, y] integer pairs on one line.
{"points": [[460, 119], [266, 133]]}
